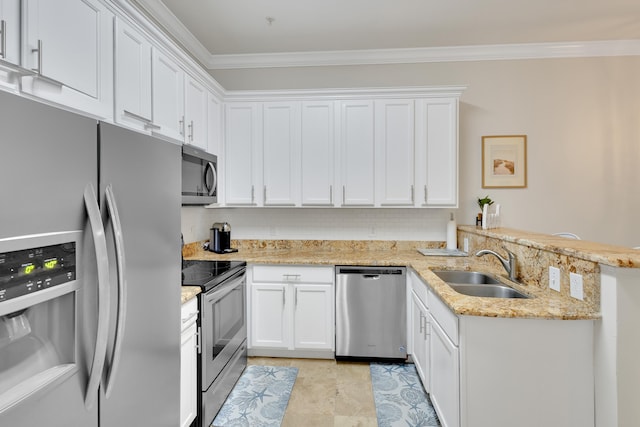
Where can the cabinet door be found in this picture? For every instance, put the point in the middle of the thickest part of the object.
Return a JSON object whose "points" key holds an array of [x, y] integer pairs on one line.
{"points": [[394, 135], [357, 153], [70, 44], [196, 98], [420, 334], [188, 376], [214, 127], [281, 153], [133, 77], [313, 316], [445, 380], [270, 317], [242, 154], [10, 19], [168, 97], [317, 153], [437, 152]]}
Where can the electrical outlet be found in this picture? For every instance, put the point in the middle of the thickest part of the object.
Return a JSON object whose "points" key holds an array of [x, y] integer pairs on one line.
{"points": [[465, 244], [575, 282], [554, 278]]}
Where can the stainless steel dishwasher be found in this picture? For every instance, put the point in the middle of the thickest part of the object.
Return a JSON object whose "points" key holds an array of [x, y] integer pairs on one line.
{"points": [[371, 319]]}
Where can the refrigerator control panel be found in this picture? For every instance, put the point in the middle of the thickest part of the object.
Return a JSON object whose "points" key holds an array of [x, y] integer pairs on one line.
{"points": [[31, 270]]}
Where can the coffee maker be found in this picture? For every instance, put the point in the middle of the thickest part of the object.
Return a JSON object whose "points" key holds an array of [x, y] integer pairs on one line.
{"points": [[220, 241]]}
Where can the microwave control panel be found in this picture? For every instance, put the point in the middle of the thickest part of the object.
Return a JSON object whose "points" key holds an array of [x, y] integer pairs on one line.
{"points": [[31, 270]]}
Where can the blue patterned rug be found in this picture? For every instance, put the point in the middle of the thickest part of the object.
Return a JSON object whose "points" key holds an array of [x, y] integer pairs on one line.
{"points": [[400, 398], [259, 398]]}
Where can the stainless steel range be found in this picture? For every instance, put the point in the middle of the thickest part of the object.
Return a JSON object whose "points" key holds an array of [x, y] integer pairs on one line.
{"points": [[223, 330]]}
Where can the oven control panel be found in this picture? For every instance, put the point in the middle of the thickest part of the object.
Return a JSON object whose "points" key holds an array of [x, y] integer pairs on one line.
{"points": [[31, 270]]}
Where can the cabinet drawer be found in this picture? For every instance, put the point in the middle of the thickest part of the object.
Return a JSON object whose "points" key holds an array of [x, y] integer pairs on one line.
{"points": [[189, 313], [444, 316], [292, 273], [419, 287]]}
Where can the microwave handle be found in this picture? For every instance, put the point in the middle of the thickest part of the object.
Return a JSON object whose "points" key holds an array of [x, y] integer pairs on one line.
{"points": [[211, 189], [102, 259]]}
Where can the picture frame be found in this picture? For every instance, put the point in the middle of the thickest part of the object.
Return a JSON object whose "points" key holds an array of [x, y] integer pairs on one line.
{"points": [[504, 161]]}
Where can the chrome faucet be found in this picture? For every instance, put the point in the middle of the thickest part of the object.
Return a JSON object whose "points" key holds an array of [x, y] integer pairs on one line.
{"points": [[508, 264]]}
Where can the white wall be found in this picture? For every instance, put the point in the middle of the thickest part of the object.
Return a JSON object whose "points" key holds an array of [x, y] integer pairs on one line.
{"points": [[581, 117]]}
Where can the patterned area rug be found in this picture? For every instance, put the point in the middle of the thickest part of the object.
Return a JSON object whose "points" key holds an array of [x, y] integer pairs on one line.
{"points": [[400, 398], [259, 398]]}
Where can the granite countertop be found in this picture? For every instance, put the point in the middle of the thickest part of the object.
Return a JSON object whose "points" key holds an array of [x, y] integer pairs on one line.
{"points": [[544, 305], [188, 292]]}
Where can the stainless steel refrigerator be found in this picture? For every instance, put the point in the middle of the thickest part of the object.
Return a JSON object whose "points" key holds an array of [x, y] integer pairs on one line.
{"points": [[90, 272]]}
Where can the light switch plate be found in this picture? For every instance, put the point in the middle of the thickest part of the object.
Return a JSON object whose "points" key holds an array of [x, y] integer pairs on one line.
{"points": [[554, 278], [575, 282], [465, 244]]}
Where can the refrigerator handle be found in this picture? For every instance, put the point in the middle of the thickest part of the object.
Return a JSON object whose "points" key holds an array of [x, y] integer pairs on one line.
{"points": [[122, 288], [102, 260]]}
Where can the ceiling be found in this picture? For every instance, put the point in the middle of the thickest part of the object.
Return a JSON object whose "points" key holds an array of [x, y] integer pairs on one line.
{"points": [[221, 33]]}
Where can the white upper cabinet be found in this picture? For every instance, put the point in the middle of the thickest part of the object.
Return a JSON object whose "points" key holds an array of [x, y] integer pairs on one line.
{"points": [[357, 153], [69, 44], [317, 153], [214, 125], [281, 153], [168, 96], [394, 159], [437, 152], [10, 27], [133, 78], [196, 98], [242, 154]]}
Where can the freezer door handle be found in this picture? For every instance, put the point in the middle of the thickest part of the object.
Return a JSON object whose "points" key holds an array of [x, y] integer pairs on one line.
{"points": [[100, 246], [122, 288]]}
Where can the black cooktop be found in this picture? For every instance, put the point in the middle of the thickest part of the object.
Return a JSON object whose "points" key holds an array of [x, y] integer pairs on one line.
{"points": [[209, 274]]}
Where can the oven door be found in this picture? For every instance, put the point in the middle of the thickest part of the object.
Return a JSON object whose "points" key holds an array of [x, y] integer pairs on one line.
{"points": [[223, 326]]}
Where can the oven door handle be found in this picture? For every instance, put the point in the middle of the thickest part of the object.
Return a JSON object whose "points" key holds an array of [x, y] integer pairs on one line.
{"points": [[225, 289], [102, 260], [122, 288]]}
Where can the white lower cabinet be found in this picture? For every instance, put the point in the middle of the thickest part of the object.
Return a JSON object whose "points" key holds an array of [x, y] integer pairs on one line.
{"points": [[420, 339], [291, 311], [500, 372], [189, 363]]}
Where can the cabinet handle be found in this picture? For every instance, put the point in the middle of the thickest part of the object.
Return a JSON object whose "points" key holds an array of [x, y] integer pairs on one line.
{"points": [[425, 194], [427, 329], [412, 194], [181, 126], [264, 194], [343, 194], [290, 277], [252, 194], [295, 302], [191, 131], [3, 38], [38, 69], [331, 194], [199, 340], [421, 323], [284, 298]]}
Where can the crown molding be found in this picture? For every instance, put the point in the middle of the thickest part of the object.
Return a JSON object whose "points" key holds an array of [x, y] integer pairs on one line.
{"points": [[162, 15], [424, 55]]}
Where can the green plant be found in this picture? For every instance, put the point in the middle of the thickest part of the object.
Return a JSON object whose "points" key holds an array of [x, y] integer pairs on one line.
{"points": [[485, 201]]}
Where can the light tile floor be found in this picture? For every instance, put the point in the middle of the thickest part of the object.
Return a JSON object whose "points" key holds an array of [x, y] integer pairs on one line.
{"points": [[327, 393]]}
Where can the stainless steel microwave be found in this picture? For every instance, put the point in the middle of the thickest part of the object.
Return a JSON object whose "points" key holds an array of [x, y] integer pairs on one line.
{"points": [[199, 176]]}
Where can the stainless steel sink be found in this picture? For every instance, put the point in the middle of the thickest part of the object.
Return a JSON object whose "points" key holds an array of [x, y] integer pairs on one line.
{"points": [[478, 284], [467, 277]]}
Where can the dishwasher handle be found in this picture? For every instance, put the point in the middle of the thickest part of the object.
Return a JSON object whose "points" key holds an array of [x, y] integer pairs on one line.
{"points": [[370, 272]]}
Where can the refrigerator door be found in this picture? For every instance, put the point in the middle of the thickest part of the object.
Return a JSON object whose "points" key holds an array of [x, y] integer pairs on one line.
{"points": [[143, 174], [48, 156]]}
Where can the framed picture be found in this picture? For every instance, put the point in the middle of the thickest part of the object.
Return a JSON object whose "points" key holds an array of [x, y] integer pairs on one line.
{"points": [[504, 161]]}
